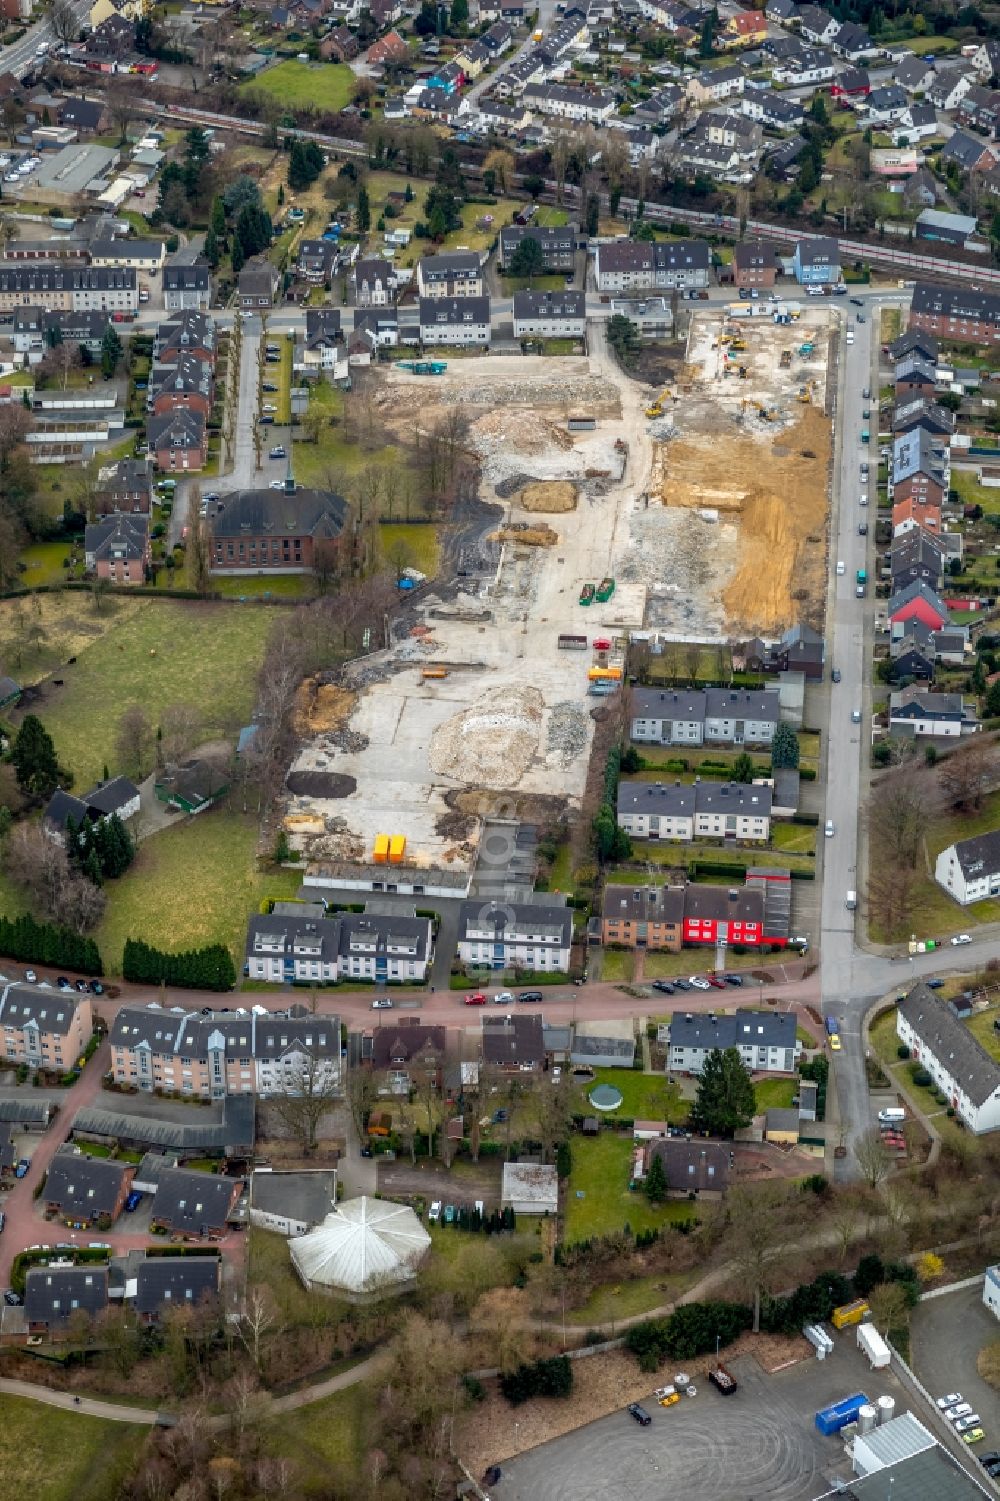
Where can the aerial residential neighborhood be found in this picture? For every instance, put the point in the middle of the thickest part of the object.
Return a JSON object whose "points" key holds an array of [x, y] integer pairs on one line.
{"points": [[499, 762]]}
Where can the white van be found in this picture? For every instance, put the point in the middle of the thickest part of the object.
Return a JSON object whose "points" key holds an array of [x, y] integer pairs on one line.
{"points": [[852, 900], [891, 1116]]}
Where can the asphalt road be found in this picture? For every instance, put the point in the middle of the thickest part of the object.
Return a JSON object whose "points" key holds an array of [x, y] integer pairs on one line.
{"points": [[946, 1335]]}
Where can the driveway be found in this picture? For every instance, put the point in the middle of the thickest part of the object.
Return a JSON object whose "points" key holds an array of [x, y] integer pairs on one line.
{"points": [[946, 1335]]}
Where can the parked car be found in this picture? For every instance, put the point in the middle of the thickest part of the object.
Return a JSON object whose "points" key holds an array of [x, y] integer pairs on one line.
{"points": [[277, 452], [450, 1213], [267, 420], [503, 998], [698, 982], [83, 987], [382, 1004], [964, 1424], [63, 983], [530, 995], [736, 980], [23, 1166], [97, 987], [855, 716], [475, 998], [434, 1213], [640, 1414], [961, 938], [828, 828], [210, 495], [716, 983], [268, 385], [836, 674], [974, 1436], [683, 985], [556, 1074], [962, 1410], [934, 984], [11, 1299], [664, 987], [133, 1201], [31, 977]]}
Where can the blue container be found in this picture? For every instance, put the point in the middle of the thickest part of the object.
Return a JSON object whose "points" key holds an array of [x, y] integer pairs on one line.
{"points": [[832, 1419]]}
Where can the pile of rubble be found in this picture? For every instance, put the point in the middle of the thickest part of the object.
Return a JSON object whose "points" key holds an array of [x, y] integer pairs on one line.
{"points": [[492, 742], [566, 733]]}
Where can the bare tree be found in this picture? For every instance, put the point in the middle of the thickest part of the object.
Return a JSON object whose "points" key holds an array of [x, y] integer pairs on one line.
{"points": [[199, 544], [897, 812], [553, 1112], [259, 1322], [873, 1158], [501, 1318], [759, 1230], [64, 22], [180, 728], [503, 166], [132, 741], [966, 774], [124, 104], [361, 1093], [310, 1087], [888, 1303]]}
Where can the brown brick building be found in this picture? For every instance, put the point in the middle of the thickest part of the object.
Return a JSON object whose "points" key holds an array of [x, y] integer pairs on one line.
{"points": [[274, 531], [649, 917], [755, 264], [958, 314]]}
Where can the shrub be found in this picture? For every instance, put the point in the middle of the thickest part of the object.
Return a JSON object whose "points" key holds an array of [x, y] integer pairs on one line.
{"points": [[544, 1378], [903, 1051], [921, 1077]]}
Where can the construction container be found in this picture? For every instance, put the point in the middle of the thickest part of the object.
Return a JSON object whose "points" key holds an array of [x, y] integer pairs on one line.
{"points": [[831, 1419], [605, 589], [604, 674], [434, 672], [849, 1313], [381, 853], [871, 1343], [567, 642], [397, 848]]}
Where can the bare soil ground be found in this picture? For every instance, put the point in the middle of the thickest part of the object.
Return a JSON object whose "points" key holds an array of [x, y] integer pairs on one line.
{"points": [[320, 707], [601, 1384]]}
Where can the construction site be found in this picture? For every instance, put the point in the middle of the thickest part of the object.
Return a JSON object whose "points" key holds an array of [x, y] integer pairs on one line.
{"points": [[700, 512]]}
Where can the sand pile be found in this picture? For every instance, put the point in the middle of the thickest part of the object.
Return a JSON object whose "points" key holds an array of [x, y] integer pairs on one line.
{"points": [[492, 742], [552, 495]]}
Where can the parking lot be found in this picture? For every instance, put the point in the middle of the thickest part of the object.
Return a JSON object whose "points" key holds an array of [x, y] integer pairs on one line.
{"points": [[947, 1334], [760, 1443]]}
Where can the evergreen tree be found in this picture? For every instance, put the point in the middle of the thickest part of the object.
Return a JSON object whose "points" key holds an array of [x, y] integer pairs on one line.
{"points": [[528, 259], [706, 41], [238, 257], [656, 1181], [364, 210], [111, 351], [725, 1099], [784, 748], [742, 769], [459, 14], [92, 867], [217, 219], [212, 247], [34, 759]]}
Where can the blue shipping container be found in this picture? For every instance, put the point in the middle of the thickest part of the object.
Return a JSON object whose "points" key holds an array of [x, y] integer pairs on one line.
{"points": [[832, 1419]]}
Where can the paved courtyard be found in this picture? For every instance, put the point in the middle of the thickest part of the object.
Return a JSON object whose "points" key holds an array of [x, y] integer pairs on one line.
{"points": [[761, 1444], [947, 1334]]}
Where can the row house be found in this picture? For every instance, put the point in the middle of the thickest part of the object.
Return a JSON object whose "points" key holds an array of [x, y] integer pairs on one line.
{"points": [[649, 266], [699, 716], [913, 511], [755, 264], [851, 84], [558, 246], [505, 117], [53, 1294], [919, 411], [700, 810], [958, 313], [809, 66], [816, 262], [716, 85], [34, 330], [980, 109], [192, 1205], [143, 255], [455, 320], [514, 1044], [563, 102], [258, 284], [773, 110], [209, 1056], [187, 384], [46, 1029], [68, 288], [949, 86], [959, 1065], [915, 554], [515, 935], [669, 917], [915, 650], [549, 315], [118, 549], [86, 1191], [301, 945], [178, 441], [765, 1040], [917, 603], [921, 466], [189, 331], [456, 273], [378, 326]]}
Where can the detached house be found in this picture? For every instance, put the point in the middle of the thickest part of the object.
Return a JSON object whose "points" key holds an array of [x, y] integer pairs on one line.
{"points": [[404, 1054], [187, 287], [558, 246], [85, 1191], [816, 262], [375, 282], [958, 1063], [258, 282], [969, 869], [915, 711], [118, 549], [454, 320]]}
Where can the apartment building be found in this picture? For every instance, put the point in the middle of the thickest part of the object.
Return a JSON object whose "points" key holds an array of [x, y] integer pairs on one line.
{"points": [[549, 315], [969, 869], [68, 288], [765, 1040], [46, 1029], [454, 320], [509, 935], [298, 943], [699, 716], [457, 273], [558, 245], [959, 314], [695, 810], [223, 1053], [959, 1065], [563, 102], [640, 265]]}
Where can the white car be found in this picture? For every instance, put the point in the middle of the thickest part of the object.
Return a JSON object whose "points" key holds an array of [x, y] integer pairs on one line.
{"points": [[864, 497], [556, 1074], [434, 1213], [698, 982], [503, 998], [960, 938], [952, 1400], [828, 831], [383, 1004], [31, 977], [972, 1421], [277, 484], [963, 1410], [840, 569], [480, 1208]]}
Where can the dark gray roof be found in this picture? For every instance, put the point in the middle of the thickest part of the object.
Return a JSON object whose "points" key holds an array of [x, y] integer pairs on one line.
{"points": [[127, 477], [517, 1040], [562, 237], [746, 1028], [589, 1045], [822, 251], [980, 855], [452, 310], [394, 1045], [165, 1281], [26, 1112], [276, 513], [51, 1294], [692, 1166], [234, 1134], [660, 255], [930, 1475], [549, 920], [914, 339], [450, 264], [178, 429], [51, 1010], [951, 1043], [109, 797], [567, 304], [687, 799], [659, 904], [935, 301], [660, 703], [303, 1196], [62, 806], [194, 1203], [84, 1186], [742, 703], [118, 536]]}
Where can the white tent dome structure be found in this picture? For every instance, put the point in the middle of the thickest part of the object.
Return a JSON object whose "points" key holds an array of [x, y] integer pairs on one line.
{"points": [[363, 1248]]}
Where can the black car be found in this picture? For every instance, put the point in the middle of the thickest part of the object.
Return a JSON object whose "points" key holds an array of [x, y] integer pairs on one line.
{"points": [[97, 987], [83, 987], [63, 983], [857, 302], [492, 1475], [683, 985], [664, 987], [268, 385], [935, 984], [862, 528], [266, 421], [836, 674], [640, 1414], [11, 1299], [530, 995], [736, 980]]}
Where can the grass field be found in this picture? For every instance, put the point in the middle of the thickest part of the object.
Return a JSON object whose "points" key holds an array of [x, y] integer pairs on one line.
{"points": [[638, 1295], [153, 653], [644, 1096], [325, 1440], [796, 838], [774, 1094], [602, 1167], [932, 913], [982, 1028], [885, 1042], [51, 1455], [326, 86], [194, 884], [333, 457], [43, 563], [415, 546]]}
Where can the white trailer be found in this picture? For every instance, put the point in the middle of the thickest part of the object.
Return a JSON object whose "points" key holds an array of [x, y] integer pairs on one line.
{"points": [[874, 1346]]}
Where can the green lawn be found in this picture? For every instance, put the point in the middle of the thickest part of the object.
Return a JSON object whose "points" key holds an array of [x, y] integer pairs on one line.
{"points": [[602, 1166], [190, 885], [512, 284], [796, 838], [638, 1295], [281, 586], [415, 546], [662, 965], [43, 563], [936, 44], [326, 86], [51, 1455], [325, 1441], [617, 965], [885, 1042], [774, 1094], [932, 912], [981, 1027], [644, 1096], [160, 653]]}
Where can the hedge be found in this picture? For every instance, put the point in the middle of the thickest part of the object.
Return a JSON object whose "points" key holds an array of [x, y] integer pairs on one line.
{"points": [[545, 1378], [33, 942], [210, 968]]}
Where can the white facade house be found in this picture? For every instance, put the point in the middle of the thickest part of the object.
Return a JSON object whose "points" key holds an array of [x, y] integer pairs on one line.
{"points": [[700, 716], [455, 320], [969, 869], [991, 1290], [509, 935], [549, 315], [699, 810], [958, 1064], [586, 106], [299, 944], [765, 1040]]}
